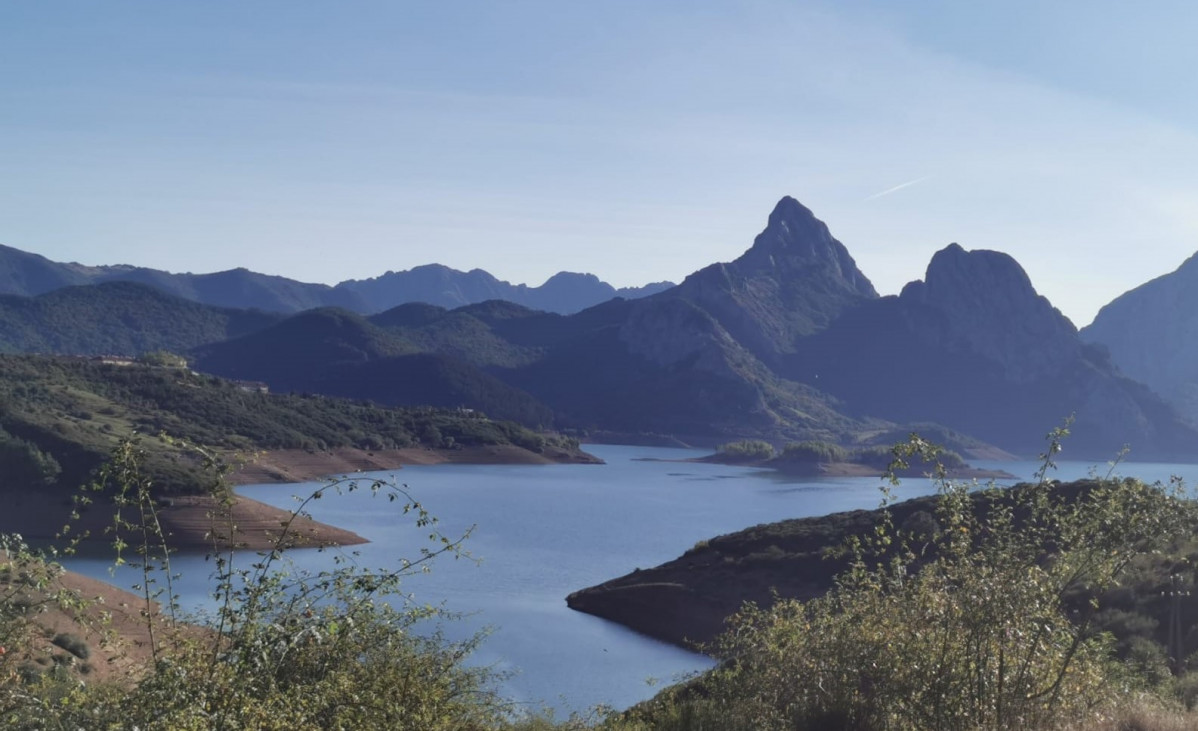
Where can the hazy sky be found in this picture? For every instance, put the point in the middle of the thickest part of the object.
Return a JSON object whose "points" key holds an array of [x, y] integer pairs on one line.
{"points": [[635, 140]]}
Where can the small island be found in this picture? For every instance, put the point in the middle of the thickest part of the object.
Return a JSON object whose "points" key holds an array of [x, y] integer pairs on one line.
{"points": [[818, 459]]}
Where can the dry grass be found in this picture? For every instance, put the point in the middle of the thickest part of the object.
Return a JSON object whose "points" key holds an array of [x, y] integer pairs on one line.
{"points": [[1144, 715]]}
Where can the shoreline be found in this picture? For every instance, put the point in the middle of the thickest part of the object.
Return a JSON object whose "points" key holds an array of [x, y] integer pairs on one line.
{"points": [[197, 522], [298, 465], [848, 469], [112, 623]]}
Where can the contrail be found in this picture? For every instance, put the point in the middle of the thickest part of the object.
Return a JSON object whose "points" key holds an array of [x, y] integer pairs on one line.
{"points": [[898, 187]]}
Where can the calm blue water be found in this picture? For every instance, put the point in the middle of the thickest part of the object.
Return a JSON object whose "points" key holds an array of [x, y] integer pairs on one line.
{"points": [[543, 531]]}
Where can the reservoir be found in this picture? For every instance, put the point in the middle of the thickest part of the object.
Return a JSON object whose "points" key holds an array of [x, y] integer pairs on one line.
{"points": [[539, 532]]}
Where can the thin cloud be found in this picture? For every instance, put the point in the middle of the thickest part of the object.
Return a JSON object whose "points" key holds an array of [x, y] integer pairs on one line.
{"points": [[898, 187]]}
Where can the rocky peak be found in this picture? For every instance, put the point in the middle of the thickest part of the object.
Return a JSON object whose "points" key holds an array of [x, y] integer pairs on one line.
{"points": [[792, 282], [980, 276], [988, 301], [793, 241], [571, 279]]}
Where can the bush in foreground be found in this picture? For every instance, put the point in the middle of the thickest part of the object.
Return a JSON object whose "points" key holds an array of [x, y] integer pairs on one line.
{"points": [[286, 648]]}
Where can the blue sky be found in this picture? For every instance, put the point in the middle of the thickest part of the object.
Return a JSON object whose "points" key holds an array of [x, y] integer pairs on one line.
{"points": [[639, 141]]}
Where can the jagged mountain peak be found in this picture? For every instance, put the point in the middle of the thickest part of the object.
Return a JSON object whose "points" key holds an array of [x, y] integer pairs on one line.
{"points": [[795, 240], [793, 281]]}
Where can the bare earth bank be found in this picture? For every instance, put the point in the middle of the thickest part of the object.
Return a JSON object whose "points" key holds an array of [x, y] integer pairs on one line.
{"points": [[201, 522]]}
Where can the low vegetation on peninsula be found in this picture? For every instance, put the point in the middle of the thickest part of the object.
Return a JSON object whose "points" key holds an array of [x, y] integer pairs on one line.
{"points": [[815, 458]]}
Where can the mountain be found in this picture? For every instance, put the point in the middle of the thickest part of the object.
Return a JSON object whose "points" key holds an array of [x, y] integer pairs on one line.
{"points": [[23, 273], [794, 281], [695, 360], [431, 379], [787, 342], [465, 334], [564, 292], [239, 288], [32, 274], [292, 353], [1151, 334], [339, 353], [668, 367], [974, 347], [117, 318]]}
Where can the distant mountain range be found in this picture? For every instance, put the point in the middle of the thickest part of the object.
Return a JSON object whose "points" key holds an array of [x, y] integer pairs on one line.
{"points": [[23, 273], [788, 342]]}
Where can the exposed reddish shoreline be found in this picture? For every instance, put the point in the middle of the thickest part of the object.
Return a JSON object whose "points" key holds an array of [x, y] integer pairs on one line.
{"points": [[298, 465], [201, 522]]}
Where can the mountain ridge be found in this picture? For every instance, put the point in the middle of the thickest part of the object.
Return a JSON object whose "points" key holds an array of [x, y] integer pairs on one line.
{"points": [[28, 274], [787, 342]]}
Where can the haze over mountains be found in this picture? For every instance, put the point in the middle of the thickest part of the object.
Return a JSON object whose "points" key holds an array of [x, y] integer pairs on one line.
{"points": [[23, 273], [788, 342]]}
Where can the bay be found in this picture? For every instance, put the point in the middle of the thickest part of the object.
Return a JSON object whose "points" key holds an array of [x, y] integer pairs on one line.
{"points": [[539, 532]]}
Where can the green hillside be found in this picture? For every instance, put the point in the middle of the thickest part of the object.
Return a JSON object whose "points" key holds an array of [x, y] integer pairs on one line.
{"points": [[75, 410], [458, 334]]}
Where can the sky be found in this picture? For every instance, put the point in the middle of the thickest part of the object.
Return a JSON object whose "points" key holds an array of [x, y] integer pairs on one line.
{"points": [[638, 141]]}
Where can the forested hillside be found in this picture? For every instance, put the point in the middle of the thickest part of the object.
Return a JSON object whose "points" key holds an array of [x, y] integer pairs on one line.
{"points": [[119, 318], [61, 417]]}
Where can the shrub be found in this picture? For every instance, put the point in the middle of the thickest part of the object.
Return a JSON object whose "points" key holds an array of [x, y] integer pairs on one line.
{"points": [[286, 648], [883, 457], [746, 449], [73, 644], [813, 453]]}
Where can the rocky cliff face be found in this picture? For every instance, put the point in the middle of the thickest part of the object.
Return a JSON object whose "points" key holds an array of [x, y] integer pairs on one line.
{"points": [[705, 348], [989, 306], [793, 281], [1151, 334]]}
